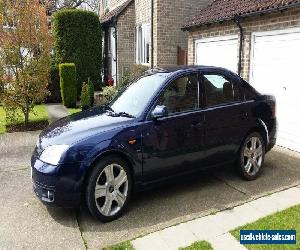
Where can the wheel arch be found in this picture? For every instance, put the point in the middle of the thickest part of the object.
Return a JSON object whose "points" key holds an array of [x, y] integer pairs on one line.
{"points": [[117, 153], [260, 128]]}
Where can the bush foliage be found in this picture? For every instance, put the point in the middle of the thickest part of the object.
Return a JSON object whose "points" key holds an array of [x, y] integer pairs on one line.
{"points": [[78, 39], [85, 99], [134, 72], [91, 91], [54, 85], [109, 92], [67, 74]]}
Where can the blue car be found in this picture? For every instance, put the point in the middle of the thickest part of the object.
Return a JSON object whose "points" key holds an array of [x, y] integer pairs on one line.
{"points": [[167, 123]]}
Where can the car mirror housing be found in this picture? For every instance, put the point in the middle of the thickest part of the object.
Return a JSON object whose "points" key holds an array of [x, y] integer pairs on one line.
{"points": [[159, 112]]}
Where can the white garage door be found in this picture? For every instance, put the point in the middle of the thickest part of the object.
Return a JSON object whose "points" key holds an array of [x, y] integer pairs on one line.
{"points": [[275, 69], [220, 51]]}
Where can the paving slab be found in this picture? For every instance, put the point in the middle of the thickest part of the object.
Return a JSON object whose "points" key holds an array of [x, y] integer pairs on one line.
{"points": [[288, 198], [247, 214], [204, 228], [276, 202], [177, 236], [226, 241], [56, 111], [16, 149], [151, 242], [27, 224]]}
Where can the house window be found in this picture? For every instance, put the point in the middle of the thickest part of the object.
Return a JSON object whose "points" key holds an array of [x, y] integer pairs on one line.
{"points": [[143, 37]]}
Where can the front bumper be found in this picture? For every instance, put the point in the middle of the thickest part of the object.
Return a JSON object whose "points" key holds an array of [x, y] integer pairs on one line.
{"points": [[56, 185]]}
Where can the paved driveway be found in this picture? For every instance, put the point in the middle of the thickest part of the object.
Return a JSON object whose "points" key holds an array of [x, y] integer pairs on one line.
{"points": [[26, 223]]}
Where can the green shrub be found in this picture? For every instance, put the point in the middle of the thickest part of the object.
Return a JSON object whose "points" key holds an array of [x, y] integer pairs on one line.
{"points": [[54, 85], [78, 39], [134, 72], [85, 100], [67, 74], [109, 92], [91, 91]]}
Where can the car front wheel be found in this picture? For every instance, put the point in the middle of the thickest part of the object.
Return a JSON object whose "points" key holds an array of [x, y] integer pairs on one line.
{"points": [[109, 188], [251, 156]]}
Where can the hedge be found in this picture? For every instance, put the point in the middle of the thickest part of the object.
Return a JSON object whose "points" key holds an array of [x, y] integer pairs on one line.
{"points": [[67, 74], [78, 39], [54, 86]]}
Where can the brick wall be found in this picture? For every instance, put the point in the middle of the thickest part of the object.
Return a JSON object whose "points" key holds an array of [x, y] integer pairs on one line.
{"points": [[126, 40], [169, 16], [269, 22], [143, 11]]}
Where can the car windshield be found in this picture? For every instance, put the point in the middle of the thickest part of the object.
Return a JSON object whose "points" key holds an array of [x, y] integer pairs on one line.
{"points": [[134, 99]]}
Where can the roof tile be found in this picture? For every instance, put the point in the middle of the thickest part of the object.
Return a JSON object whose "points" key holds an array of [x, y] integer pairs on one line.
{"points": [[221, 10], [107, 17]]}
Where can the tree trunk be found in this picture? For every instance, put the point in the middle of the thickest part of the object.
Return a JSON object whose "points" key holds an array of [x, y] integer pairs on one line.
{"points": [[26, 115]]}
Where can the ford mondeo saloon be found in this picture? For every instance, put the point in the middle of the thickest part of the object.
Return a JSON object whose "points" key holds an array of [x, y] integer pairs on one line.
{"points": [[167, 123]]}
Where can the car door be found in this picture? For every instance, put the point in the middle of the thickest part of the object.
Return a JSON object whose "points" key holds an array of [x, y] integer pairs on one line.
{"points": [[226, 117], [171, 144]]}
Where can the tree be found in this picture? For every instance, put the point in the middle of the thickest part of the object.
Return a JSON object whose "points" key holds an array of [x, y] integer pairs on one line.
{"points": [[25, 45], [92, 5], [78, 39]]}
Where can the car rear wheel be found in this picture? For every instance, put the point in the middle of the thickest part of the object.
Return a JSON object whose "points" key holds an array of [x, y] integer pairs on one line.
{"points": [[251, 156], [109, 188]]}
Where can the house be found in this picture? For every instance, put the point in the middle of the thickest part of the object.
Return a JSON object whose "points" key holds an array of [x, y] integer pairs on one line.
{"points": [[146, 32], [260, 40]]}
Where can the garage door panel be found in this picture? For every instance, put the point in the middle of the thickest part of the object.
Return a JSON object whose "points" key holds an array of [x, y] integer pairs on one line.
{"points": [[275, 66], [220, 52]]}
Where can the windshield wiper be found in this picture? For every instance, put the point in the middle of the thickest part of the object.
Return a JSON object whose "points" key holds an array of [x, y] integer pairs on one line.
{"points": [[108, 108], [114, 113], [125, 115]]}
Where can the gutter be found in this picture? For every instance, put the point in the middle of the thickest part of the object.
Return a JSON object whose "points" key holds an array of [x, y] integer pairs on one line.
{"points": [[116, 48], [152, 34], [237, 20]]}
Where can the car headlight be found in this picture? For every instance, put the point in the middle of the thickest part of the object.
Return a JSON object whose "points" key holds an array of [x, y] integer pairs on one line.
{"points": [[52, 154]]}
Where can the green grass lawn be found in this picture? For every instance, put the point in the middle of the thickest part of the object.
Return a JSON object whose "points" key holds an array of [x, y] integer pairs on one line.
{"points": [[2, 120], [285, 220], [198, 245], [40, 114], [122, 246], [74, 110]]}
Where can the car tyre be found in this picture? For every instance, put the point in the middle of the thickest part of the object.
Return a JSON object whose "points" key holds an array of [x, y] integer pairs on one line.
{"points": [[109, 187], [251, 157]]}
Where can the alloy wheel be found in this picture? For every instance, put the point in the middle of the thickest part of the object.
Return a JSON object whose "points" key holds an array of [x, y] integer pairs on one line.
{"points": [[111, 190], [253, 155]]}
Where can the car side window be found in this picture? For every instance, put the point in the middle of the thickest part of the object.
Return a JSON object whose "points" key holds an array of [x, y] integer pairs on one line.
{"points": [[220, 90], [181, 95]]}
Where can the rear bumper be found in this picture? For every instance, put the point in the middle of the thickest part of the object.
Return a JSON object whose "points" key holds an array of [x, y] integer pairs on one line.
{"points": [[53, 186], [272, 135], [272, 143]]}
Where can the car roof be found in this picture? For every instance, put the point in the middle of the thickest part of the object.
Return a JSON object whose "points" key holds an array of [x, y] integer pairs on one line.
{"points": [[185, 68]]}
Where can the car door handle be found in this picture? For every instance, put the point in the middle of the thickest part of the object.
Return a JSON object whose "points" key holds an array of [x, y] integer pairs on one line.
{"points": [[197, 125], [243, 115]]}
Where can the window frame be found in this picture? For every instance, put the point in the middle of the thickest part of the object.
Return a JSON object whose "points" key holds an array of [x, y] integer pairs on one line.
{"points": [[143, 38], [170, 81], [227, 77]]}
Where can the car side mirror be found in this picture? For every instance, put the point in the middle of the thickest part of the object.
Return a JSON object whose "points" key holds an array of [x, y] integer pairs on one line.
{"points": [[159, 112]]}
